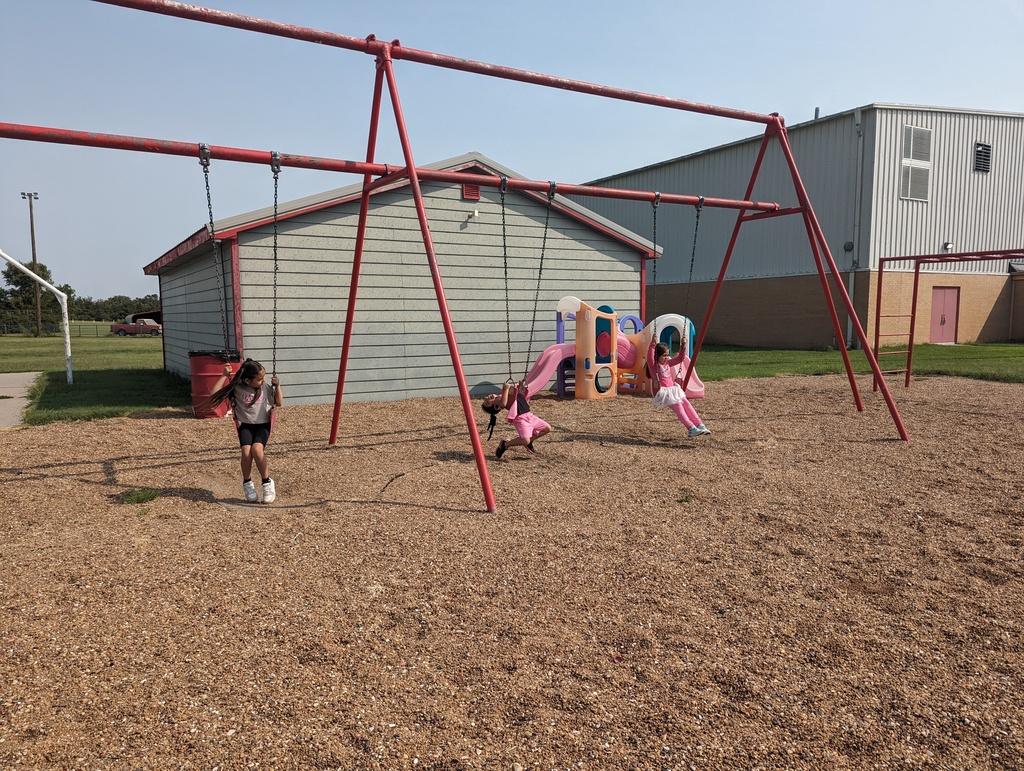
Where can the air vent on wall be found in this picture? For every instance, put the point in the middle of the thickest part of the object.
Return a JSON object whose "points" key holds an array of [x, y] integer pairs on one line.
{"points": [[470, 192], [982, 157]]}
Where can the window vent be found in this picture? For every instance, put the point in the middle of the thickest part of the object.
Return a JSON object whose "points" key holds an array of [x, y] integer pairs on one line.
{"points": [[982, 157], [914, 183], [916, 164], [470, 192], [917, 144]]}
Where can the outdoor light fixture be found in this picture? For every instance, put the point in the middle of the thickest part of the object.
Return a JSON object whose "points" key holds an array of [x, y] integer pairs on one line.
{"points": [[947, 246]]}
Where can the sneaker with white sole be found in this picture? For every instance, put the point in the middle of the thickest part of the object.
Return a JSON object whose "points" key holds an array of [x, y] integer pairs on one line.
{"points": [[269, 493], [704, 429], [250, 491], [694, 431]]}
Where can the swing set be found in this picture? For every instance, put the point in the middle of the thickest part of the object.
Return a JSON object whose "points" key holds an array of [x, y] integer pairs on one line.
{"points": [[376, 175]]}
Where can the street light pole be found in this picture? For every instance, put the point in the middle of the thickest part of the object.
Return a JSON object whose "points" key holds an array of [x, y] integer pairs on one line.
{"points": [[35, 263]]}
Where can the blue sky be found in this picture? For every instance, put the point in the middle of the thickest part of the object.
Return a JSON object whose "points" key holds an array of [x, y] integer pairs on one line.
{"points": [[104, 214]]}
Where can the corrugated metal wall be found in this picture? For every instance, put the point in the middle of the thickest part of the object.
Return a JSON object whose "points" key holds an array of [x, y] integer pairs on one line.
{"points": [[973, 210], [826, 155], [398, 345]]}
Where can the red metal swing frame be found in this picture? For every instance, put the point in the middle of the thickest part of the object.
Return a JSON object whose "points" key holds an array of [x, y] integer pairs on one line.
{"points": [[376, 175], [919, 261]]}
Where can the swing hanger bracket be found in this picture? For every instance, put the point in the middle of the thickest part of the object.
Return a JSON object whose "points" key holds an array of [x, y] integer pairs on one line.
{"points": [[204, 155], [275, 163]]}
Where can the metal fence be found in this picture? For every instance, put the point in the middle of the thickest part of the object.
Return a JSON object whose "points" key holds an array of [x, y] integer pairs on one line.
{"points": [[75, 329]]}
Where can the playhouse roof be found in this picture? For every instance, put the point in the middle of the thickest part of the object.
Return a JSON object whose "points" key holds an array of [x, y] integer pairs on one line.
{"points": [[468, 162]]}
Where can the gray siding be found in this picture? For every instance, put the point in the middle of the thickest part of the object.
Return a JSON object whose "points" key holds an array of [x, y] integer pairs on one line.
{"points": [[192, 310], [776, 247], [976, 211], [399, 348]]}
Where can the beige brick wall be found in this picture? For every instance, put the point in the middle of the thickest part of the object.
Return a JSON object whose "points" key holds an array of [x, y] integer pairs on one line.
{"points": [[792, 312]]}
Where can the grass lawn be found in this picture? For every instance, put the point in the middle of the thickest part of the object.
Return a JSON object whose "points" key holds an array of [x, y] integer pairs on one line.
{"points": [[119, 375], [113, 376]]}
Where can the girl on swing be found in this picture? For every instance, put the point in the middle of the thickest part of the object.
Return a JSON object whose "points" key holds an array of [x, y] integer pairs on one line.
{"points": [[515, 398], [252, 400], [668, 392]]}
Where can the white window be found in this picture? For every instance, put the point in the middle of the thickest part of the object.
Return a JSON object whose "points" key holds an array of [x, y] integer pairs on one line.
{"points": [[916, 167]]}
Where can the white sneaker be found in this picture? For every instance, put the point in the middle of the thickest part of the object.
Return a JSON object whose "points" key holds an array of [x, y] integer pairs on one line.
{"points": [[269, 493], [694, 431], [250, 491], [704, 429]]}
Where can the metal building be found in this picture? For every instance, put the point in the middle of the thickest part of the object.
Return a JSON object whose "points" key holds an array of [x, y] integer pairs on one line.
{"points": [[885, 180], [399, 349]]}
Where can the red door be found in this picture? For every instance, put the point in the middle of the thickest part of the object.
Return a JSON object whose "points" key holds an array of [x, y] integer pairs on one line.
{"points": [[945, 304]]}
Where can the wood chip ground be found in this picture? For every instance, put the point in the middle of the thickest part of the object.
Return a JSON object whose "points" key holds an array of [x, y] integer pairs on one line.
{"points": [[799, 590]]}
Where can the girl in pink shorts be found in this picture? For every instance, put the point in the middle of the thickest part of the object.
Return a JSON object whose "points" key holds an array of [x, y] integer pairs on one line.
{"points": [[515, 397]]}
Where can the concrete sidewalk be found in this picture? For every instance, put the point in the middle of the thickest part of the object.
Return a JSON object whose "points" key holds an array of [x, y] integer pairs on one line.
{"points": [[14, 385]]}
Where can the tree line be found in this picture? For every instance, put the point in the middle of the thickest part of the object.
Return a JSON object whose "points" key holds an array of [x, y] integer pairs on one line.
{"points": [[18, 302]]}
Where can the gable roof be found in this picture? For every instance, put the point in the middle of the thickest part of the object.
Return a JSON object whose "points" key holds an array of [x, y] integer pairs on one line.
{"points": [[473, 162]]}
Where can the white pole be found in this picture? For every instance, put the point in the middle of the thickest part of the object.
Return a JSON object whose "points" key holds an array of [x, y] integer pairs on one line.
{"points": [[61, 298]]}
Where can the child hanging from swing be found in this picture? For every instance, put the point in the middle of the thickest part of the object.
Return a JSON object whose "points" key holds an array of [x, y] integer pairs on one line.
{"points": [[515, 397], [252, 400], [668, 392]]}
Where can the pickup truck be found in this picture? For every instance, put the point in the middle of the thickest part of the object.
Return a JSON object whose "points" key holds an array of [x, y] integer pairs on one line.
{"points": [[139, 327]]}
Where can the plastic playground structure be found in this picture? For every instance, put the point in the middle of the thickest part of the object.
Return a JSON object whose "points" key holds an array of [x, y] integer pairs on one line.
{"points": [[605, 360]]}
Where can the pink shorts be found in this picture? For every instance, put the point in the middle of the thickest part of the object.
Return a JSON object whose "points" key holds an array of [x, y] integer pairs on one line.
{"points": [[528, 425]]}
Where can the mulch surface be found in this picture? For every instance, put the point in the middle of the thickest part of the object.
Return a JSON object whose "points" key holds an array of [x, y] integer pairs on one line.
{"points": [[799, 590]]}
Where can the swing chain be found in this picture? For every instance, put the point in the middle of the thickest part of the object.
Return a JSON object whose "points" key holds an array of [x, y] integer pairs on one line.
{"points": [[540, 273], [503, 188], [204, 161], [693, 255], [275, 166]]}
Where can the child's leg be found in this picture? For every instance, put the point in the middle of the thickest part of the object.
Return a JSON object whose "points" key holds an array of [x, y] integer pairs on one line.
{"points": [[691, 413], [246, 461], [260, 437], [260, 459], [529, 427], [680, 412]]}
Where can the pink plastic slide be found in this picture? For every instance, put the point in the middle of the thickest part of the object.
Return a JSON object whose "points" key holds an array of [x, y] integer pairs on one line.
{"points": [[544, 370], [547, 363]]}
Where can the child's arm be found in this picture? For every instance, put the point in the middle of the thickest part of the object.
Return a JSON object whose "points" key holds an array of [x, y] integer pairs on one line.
{"points": [[278, 396], [524, 388], [223, 379], [508, 394]]}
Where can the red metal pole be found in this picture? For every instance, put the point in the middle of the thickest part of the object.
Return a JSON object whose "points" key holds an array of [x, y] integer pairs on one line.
{"points": [[243, 155], [395, 50], [442, 302], [357, 257], [805, 201], [728, 256], [836, 326], [913, 324], [878, 319]]}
